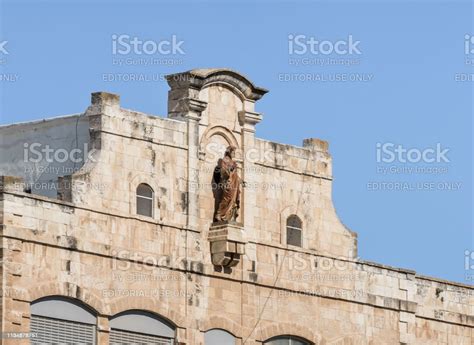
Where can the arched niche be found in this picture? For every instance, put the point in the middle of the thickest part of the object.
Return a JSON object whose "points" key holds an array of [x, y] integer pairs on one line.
{"points": [[212, 147], [214, 141]]}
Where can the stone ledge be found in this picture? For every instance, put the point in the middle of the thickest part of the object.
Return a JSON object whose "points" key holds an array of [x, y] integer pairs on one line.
{"points": [[227, 243]]}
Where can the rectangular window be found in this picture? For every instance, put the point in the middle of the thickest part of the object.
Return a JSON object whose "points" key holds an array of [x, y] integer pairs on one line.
{"points": [[144, 206], [293, 236]]}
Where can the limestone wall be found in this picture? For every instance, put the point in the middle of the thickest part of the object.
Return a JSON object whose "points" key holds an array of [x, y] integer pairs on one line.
{"points": [[115, 261]]}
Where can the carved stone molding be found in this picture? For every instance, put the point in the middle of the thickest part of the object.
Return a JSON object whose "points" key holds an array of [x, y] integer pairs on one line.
{"points": [[197, 79]]}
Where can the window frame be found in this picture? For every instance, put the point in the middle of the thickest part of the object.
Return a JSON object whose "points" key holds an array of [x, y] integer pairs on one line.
{"points": [[143, 197], [158, 326], [60, 310], [290, 339], [287, 227], [221, 330]]}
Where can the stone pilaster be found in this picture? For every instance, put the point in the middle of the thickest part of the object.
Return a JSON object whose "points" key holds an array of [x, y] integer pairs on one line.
{"points": [[193, 116], [407, 317], [189, 110], [103, 330], [248, 118], [184, 104]]}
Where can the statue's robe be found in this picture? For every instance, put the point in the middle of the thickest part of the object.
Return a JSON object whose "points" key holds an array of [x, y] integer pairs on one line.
{"points": [[229, 185]]}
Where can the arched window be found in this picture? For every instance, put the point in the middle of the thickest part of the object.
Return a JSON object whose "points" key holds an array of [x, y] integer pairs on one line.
{"points": [[218, 337], [145, 200], [286, 340], [140, 327], [294, 228], [60, 320]]}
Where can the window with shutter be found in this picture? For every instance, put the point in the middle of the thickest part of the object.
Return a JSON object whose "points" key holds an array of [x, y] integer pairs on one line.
{"points": [[61, 320], [140, 327], [286, 340], [218, 337], [119, 337], [54, 331]]}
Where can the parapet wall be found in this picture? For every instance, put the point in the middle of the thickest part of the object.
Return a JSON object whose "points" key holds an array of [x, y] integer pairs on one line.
{"points": [[41, 151]]}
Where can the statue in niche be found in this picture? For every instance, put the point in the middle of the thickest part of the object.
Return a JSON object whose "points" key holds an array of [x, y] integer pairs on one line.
{"points": [[226, 188]]}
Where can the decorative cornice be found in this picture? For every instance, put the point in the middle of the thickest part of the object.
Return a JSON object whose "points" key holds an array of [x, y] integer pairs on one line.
{"points": [[189, 108], [249, 118], [200, 78]]}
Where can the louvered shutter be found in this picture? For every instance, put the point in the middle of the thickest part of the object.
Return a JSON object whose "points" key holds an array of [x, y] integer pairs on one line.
{"points": [[119, 337], [54, 331]]}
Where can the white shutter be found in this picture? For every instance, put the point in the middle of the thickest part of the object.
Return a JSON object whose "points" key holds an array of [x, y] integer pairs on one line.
{"points": [[54, 331], [119, 337]]}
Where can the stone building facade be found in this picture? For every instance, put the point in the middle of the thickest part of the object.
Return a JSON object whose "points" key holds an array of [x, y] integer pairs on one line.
{"points": [[115, 242]]}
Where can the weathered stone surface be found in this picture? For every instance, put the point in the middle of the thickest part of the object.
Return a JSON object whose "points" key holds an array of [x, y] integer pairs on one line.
{"points": [[90, 244]]}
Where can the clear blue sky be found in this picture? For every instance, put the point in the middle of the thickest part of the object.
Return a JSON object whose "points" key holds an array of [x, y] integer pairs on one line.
{"points": [[412, 50]]}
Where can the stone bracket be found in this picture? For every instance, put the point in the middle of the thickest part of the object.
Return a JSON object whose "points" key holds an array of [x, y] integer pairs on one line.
{"points": [[227, 243]]}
